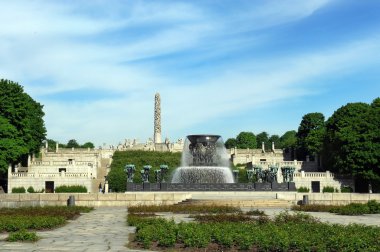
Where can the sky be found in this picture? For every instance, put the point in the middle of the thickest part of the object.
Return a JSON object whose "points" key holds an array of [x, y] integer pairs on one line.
{"points": [[221, 67]]}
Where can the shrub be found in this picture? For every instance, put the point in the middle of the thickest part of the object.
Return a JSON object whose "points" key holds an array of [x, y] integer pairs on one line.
{"points": [[352, 209], [374, 207], [71, 189], [30, 189], [22, 235], [303, 189], [346, 189], [328, 189], [18, 190]]}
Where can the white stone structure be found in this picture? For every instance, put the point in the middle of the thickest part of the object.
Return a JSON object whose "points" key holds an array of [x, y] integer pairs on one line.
{"points": [[87, 167]]}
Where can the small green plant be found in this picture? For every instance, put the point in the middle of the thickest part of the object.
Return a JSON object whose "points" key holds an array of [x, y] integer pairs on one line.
{"points": [[22, 235], [303, 189], [30, 189], [71, 189], [328, 189], [18, 189]]}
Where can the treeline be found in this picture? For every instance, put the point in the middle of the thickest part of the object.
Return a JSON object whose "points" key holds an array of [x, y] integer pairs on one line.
{"points": [[347, 143], [22, 127], [249, 140], [72, 143]]}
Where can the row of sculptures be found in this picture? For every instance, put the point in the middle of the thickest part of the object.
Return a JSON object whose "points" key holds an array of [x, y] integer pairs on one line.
{"points": [[254, 174], [257, 174], [159, 173]]}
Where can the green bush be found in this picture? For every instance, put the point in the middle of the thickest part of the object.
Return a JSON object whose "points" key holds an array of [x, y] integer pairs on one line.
{"points": [[117, 178], [288, 232], [346, 189], [22, 235], [30, 189], [18, 190], [71, 189], [303, 189], [374, 207], [328, 189]]}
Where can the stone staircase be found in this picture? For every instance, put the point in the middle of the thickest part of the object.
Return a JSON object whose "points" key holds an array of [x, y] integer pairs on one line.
{"points": [[253, 203], [101, 172], [239, 199]]}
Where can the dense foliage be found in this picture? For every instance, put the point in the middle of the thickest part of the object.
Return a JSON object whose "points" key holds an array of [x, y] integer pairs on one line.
{"points": [[246, 140], [352, 143], [71, 189], [37, 218], [371, 207], [310, 134], [22, 235], [286, 232], [18, 189], [117, 177], [22, 128]]}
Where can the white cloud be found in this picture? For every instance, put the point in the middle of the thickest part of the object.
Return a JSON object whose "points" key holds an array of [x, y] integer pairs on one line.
{"points": [[72, 49]]}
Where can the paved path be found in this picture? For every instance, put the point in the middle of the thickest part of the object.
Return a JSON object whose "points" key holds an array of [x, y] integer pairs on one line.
{"points": [[103, 229]]}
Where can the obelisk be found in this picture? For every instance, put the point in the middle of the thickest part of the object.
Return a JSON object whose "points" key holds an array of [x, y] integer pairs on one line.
{"points": [[157, 119]]}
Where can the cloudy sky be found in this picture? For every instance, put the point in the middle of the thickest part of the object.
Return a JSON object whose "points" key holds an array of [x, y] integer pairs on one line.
{"points": [[221, 67]]}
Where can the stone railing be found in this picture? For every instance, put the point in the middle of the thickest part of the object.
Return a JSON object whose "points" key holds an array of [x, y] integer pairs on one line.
{"points": [[49, 174], [62, 163]]}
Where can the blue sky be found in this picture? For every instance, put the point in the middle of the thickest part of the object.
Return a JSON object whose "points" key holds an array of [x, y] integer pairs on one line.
{"points": [[221, 67]]}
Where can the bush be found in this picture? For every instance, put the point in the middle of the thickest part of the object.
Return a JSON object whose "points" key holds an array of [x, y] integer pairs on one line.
{"points": [[346, 189], [18, 190], [30, 189], [352, 209], [71, 189], [299, 232], [22, 235], [328, 189], [303, 189]]}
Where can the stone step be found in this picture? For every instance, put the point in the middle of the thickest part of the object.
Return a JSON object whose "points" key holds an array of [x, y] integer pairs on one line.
{"points": [[265, 203]]}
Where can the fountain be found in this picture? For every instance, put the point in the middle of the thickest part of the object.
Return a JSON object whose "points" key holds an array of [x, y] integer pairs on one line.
{"points": [[204, 160], [205, 167]]}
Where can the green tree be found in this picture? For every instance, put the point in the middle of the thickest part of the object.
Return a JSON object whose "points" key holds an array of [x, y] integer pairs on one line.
{"points": [[88, 145], [22, 122], [230, 143], [72, 144], [352, 140], [262, 137], [246, 140], [289, 139], [311, 134], [276, 140]]}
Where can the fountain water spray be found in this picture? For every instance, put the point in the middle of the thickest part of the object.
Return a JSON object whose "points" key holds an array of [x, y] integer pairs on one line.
{"points": [[204, 160]]}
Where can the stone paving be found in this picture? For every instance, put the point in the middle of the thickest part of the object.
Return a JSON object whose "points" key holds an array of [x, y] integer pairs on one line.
{"points": [[104, 229]]}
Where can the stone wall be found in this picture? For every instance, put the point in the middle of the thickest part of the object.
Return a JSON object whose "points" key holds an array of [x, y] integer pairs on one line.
{"points": [[329, 198], [92, 199]]}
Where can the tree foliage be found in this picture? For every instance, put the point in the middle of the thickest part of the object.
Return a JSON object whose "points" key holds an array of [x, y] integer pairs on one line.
{"points": [[230, 143], [246, 140], [310, 134], [289, 139], [352, 140], [22, 128], [262, 137]]}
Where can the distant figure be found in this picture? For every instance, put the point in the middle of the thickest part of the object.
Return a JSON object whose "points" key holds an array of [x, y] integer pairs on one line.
{"points": [[100, 187]]}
